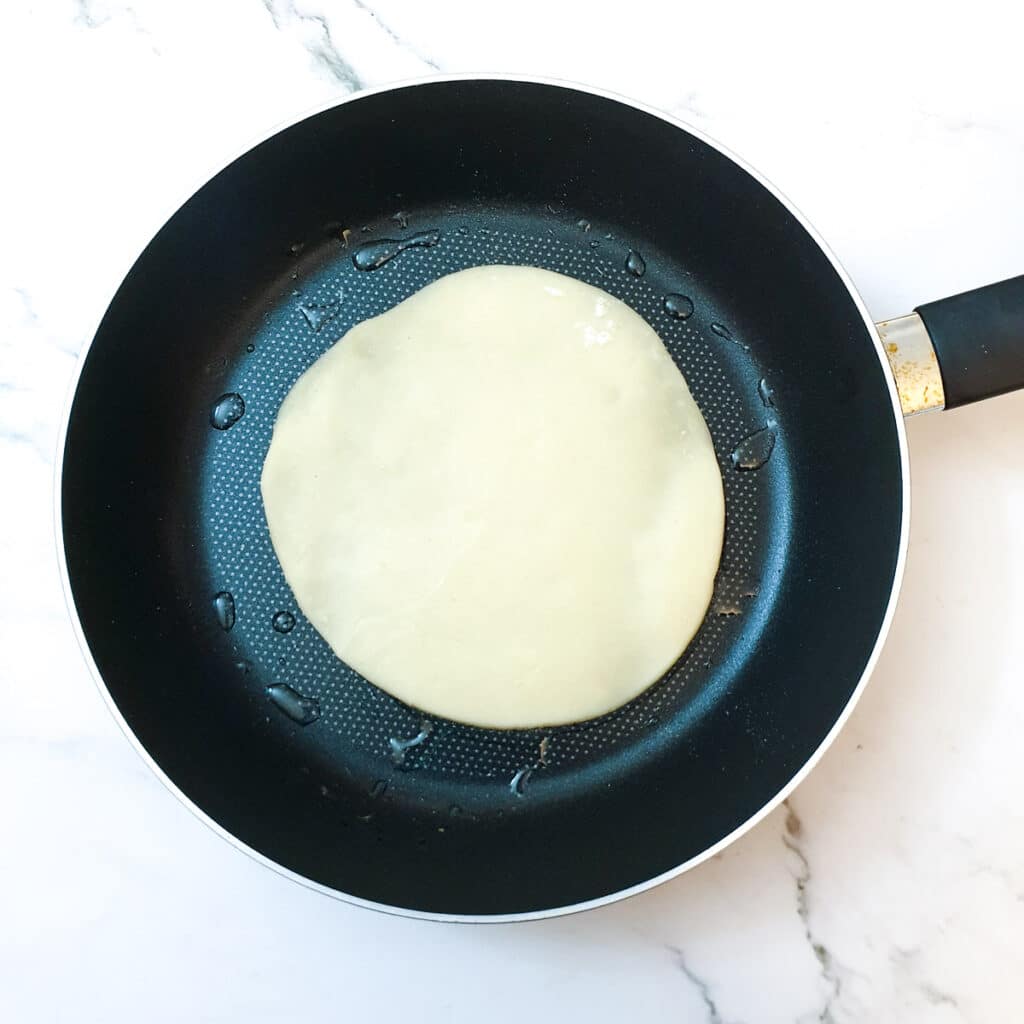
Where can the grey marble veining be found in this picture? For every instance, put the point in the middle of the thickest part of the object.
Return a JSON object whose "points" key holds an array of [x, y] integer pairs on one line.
{"points": [[319, 43]]}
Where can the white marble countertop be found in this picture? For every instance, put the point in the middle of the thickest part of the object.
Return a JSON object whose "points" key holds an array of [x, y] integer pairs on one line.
{"points": [[893, 887]]}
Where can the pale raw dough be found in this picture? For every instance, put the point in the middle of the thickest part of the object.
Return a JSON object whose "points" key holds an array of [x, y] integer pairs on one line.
{"points": [[498, 501]]}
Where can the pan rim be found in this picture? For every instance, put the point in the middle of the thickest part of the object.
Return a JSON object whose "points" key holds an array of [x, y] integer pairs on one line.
{"points": [[743, 827]]}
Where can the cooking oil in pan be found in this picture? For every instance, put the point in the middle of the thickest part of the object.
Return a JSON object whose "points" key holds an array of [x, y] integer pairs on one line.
{"points": [[520, 780], [319, 313], [723, 332], [283, 622], [227, 411], [400, 748], [304, 710], [224, 609], [636, 264], [754, 450], [679, 307], [372, 255]]}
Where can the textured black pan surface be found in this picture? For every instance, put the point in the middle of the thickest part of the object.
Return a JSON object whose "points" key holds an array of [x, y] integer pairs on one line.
{"points": [[254, 278]]}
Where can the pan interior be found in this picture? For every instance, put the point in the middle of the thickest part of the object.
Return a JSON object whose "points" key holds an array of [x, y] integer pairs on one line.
{"points": [[358, 721], [255, 277]]}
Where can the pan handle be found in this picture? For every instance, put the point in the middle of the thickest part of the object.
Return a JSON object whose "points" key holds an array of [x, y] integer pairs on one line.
{"points": [[959, 350]]}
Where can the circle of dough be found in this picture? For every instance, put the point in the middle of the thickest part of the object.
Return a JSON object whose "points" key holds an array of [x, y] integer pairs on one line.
{"points": [[498, 501]]}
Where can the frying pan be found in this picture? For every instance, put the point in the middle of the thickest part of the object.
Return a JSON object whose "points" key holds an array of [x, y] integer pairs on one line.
{"points": [[238, 704]]}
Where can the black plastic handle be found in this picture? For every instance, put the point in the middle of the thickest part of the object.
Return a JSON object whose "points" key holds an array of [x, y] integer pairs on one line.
{"points": [[979, 341]]}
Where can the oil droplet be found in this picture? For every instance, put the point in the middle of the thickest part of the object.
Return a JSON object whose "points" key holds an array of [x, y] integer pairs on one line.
{"points": [[399, 748], [227, 411], [224, 609], [636, 264], [723, 332], [378, 789], [754, 451], [296, 247], [766, 393], [283, 622], [303, 710], [520, 780], [372, 255], [250, 348], [679, 307], [318, 313], [401, 219], [583, 225]]}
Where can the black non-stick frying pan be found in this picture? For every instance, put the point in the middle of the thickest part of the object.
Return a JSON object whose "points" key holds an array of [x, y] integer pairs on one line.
{"points": [[243, 709]]}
